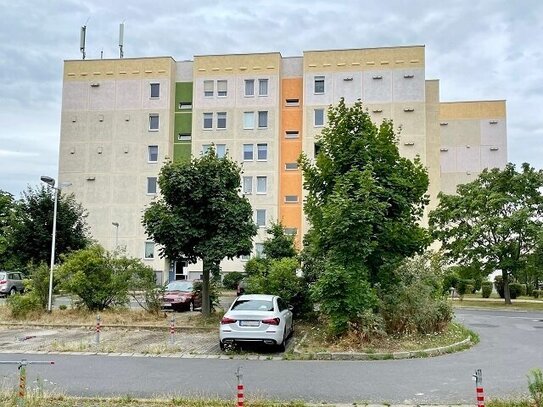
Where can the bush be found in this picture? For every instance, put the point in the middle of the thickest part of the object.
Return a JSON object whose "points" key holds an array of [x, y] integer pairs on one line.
{"points": [[465, 286], [450, 280], [537, 293], [523, 290], [486, 289], [515, 289], [535, 386], [22, 305], [232, 279]]}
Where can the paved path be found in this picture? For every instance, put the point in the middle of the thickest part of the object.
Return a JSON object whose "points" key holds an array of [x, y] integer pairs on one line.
{"points": [[511, 344]]}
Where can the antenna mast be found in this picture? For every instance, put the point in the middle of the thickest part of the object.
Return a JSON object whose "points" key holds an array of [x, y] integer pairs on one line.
{"points": [[82, 40], [121, 40]]}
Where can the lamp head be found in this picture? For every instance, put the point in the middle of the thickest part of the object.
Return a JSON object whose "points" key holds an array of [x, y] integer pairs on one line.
{"points": [[48, 180]]}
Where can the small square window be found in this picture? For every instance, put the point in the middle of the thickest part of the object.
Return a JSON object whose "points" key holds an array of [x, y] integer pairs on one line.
{"points": [[221, 120], [262, 120], [222, 88], [291, 166], [220, 150], [319, 117], [261, 185], [153, 122], [249, 87], [152, 154], [319, 85], [248, 120], [262, 152], [151, 185], [149, 252], [248, 152], [261, 218], [209, 87], [247, 185], [291, 198], [262, 87], [208, 120], [155, 90]]}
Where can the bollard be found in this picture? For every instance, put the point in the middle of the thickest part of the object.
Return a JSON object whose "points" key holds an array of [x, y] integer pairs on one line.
{"points": [[172, 331], [98, 327], [241, 398], [479, 388], [21, 394]]}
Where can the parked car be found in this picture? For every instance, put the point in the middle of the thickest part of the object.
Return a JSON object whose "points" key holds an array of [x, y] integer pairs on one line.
{"points": [[180, 296], [242, 286], [11, 282], [257, 318]]}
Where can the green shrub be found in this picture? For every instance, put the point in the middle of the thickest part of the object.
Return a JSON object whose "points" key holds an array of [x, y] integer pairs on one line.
{"points": [[232, 279], [450, 280], [537, 293], [486, 289], [515, 289], [523, 290], [465, 286], [535, 386], [22, 305]]}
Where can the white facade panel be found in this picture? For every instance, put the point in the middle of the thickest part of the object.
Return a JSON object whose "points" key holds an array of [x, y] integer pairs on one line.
{"points": [[468, 159], [102, 97], [75, 95], [377, 86], [409, 85], [494, 156], [128, 95], [347, 85], [493, 131], [310, 97], [447, 159]]}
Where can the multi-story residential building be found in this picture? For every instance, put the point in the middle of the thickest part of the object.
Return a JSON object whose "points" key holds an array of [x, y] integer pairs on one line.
{"points": [[122, 118]]}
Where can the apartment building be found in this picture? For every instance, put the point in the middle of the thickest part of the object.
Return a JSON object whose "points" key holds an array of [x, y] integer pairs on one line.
{"points": [[122, 118]]}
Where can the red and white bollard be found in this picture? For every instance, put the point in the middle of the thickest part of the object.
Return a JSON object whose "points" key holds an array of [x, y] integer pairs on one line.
{"points": [[172, 331], [240, 396], [479, 388], [98, 328]]}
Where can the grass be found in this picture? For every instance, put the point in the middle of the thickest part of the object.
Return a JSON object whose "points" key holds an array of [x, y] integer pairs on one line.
{"points": [[498, 303]]}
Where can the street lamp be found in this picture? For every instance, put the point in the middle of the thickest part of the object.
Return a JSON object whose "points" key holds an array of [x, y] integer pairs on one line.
{"points": [[51, 182], [116, 224]]}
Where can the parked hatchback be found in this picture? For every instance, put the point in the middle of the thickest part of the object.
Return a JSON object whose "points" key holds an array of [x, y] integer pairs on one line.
{"points": [[11, 282], [180, 296], [257, 318]]}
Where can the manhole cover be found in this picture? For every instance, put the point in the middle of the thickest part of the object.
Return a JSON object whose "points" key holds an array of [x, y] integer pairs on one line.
{"points": [[484, 325]]}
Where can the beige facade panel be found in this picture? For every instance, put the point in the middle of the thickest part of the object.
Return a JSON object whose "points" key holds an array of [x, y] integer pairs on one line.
{"points": [[183, 71], [292, 67], [461, 132], [127, 68], [472, 110], [217, 65]]}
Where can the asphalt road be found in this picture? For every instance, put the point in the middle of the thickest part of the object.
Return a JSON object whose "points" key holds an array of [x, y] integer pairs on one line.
{"points": [[511, 344]]}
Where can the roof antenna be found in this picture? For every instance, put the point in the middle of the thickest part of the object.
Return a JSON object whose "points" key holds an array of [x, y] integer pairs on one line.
{"points": [[82, 40], [121, 40]]}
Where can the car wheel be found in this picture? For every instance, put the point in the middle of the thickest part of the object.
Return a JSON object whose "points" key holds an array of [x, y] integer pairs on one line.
{"points": [[12, 291], [221, 345], [282, 346]]}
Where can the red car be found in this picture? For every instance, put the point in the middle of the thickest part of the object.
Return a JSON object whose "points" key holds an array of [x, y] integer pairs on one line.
{"points": [[180, 296]]}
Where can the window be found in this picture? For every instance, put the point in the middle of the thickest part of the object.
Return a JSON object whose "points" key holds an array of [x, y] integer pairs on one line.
{"points": [[151, 185], [208, 88], [292, 134], [290, 231], [222, 88], [220, 150], [208, 120], [261, 185], [152, 156], [249, 87], [149, 252], [205, 148], [291, 198], [319, 117], [262, 120], [185, 105], [319, 85], [248, 152], [261, 218], [249, 120], [292, 102], [184, 137], [155, 90], [153, 122], [221, 120], [291, 166], [262, 87], [247, 185], [262, 152], [259, 250]]}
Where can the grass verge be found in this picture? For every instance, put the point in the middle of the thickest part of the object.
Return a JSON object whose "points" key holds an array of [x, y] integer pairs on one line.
{"points": [[498, 304]]}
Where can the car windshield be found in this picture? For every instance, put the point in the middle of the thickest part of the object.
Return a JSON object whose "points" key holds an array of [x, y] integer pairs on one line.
{"points": [[179, 286], [253, 305]]}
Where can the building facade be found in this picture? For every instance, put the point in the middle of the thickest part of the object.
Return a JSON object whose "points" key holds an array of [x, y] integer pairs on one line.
{"points": [[122, 118]]}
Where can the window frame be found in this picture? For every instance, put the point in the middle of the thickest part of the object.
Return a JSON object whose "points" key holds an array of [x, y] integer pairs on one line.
{"points": [[151, 117], [145, 245], [219, 118], [246, 151], [317, 80], [262, 81], [246, 82], [149, 154], [154, 85], [209, 93], [222, 93], [265, 190], [258, 151], [263, 213], [149, 184], [210, 120], [247, 181], [221, 146], [263, 113], [315, 117], [249, 114], [287, 201]]}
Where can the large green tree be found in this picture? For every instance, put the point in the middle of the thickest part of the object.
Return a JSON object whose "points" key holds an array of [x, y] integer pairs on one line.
{"points": [[495, 220], [32, 226], [364, 205], [7, 211], [201, 214]]}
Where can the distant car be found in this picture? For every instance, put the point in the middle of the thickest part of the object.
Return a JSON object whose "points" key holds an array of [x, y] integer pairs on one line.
{"points": [[242, 285], [257, 318], [180, 296], [11, 282]]}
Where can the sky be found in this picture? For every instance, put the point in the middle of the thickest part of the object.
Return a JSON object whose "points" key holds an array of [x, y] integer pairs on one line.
{"points": [[485, 49]]}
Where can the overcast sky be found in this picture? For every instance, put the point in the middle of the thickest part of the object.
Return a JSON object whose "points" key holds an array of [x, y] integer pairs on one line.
{"points": [[485, 49]]}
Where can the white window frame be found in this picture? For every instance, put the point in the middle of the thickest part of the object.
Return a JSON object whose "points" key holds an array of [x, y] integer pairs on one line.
{"points": [[260, 191], [315, 118], [319, 79], [291, 201], [260, 224], [149, 154], [252, 152], [264, 114], [245, 83], [209, 93], [221, 116], [251, 125], [149, 185], [247, 185], [258, 151], [204, 121], [267, 86], [145, 245], [205, 148], [151, 86], [222, 147], [222, 88], [292, 134], [291, 166], [151, 117]]}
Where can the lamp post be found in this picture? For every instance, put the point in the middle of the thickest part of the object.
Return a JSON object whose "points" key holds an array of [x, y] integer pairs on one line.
{"points": [[51, 182], [116, 224]]}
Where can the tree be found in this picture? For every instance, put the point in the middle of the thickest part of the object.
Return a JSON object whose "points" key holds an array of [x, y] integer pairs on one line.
{"points": [[494, 220], [7, 209], [32, 226], [279, 245], [364, 204], [201, 214]]}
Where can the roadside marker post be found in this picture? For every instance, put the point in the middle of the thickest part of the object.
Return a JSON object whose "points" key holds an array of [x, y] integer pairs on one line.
{"points": [[172, 331], [98, 327], [240, 396], [22, 375], [479, 388]]}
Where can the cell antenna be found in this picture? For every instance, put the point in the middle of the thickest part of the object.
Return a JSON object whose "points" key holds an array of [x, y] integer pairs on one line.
{"points": [[121, 40], [82, 40]]}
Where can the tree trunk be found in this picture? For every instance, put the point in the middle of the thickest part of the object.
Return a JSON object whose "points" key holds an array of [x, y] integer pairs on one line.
{"points": [[506, 292], [206, 309]]}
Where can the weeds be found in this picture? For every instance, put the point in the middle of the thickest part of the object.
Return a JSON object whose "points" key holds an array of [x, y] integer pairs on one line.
{"points": [[535, 385]]}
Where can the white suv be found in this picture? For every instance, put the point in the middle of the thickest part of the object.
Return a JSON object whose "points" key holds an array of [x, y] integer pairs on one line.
{"points": [[11, 282]]}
